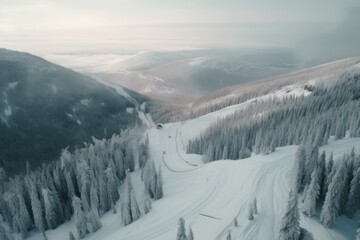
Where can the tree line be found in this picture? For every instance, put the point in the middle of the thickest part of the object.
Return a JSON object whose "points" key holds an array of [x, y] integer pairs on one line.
{"points": [[84, 184], [265, 125]]}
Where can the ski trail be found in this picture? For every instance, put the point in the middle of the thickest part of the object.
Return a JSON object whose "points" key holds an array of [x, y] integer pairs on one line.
{"points": [[145, 118]]}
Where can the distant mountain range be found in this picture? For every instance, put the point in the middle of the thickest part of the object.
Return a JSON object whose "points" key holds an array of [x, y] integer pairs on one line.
{"points": [[45, 107], [182, 76]]}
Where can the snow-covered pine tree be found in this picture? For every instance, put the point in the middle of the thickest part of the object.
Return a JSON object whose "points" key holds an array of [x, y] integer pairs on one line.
{"points": [[50, 214], [150, 178], [305, 235], [94, 220], [37, 209], [80, 217], [130, 209], [94, 198], [126, 212], [159, 185], [143, 153], [112, 191], [69, 184], [181, 233], [299, 167], [103, 195], [353, 201], [71, 236], [321, 168], [135, 211], [229, 236], [254, 206], [4, 230], [24, 215], [236, 223], [147, 204], [328, 175], [130, 157], [290, 226], [311, 195], [190, 235], [312, 156], [251, 214], [331, 207]]}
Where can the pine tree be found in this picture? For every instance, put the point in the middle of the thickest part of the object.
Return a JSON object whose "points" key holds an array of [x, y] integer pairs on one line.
{"points": [[331, 207], [322, 173], [299, 167], [358, 234], [104, 200], [135, 212], [112, 192], [147, 204], [255, 210], [311, 162], [354, 195], [37, 210], [80, 217], [190, 235], [290, 226], [85, 182], [251, 214], [305, 235], [181, 234], [24, 215], [69, 185], [94, 219], [50, 214], [328, 175], [130, 209], [228, 236], [236, 224], [311, 194], [4, 230], [94, 199], [159, 185], [71, 236]]}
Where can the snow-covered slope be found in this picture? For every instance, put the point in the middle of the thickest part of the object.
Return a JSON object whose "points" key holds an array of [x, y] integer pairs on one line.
{"points": [[319, 76], [210, 196]]}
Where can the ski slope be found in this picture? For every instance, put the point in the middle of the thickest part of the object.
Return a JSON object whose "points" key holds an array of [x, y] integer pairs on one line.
{"points": [[210, 196]]}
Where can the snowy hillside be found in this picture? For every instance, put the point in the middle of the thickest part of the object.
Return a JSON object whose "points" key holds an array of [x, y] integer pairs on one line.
{"points": [[210, 196], [322, 76], [182, 75]]}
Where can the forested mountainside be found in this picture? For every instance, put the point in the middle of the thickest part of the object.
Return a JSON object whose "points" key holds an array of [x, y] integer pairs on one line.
{"points": [[45, 107], [324, 74], [271, 123], [84, 184]]}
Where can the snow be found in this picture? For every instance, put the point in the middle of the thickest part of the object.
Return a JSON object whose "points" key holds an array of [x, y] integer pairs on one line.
{"points": [[12, 85], [85, 102], [130, 110], [221, 190], [8, 111]]}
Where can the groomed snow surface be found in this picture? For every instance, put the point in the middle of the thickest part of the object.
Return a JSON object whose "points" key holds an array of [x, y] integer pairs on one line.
{"points": [[210, 196]]}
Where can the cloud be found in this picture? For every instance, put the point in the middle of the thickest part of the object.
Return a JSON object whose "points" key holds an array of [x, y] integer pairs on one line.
{"points": [[342, 40]]}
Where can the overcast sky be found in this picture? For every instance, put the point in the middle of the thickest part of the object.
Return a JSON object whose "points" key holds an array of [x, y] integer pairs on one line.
{"points": [[311, 27]]}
